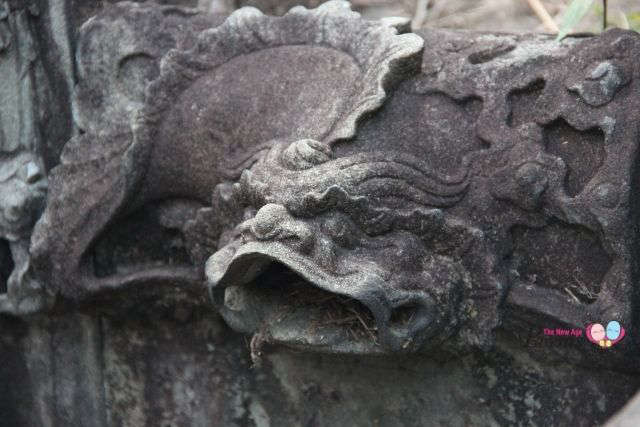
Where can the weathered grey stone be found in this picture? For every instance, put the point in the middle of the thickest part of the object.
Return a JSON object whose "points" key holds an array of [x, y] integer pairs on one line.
{"points": [[418, 250], [329, 188], [29, 139], [22, 195], [119, 53]]}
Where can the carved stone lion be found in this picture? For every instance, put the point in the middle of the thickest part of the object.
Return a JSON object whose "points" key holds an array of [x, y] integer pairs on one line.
{"points": [[351, 189]]}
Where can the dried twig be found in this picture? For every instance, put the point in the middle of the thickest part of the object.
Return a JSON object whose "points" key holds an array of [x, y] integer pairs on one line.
{"points": [[582, 289], [420, 14], [548, 22], [258, 340], [572, 295], [364, 325]]}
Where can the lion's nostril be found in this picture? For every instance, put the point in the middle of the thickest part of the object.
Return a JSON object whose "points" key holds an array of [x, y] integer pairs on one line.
{"points": [[34, 174], [403, 315]]}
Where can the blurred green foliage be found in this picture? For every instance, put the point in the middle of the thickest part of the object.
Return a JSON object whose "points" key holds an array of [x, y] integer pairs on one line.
{"points": [[634, 20], [578, 9], [573, 15]]}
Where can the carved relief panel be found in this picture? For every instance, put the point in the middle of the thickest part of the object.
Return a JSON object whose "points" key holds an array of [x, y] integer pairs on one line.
{"points": [[318, 185], [341, 187]]}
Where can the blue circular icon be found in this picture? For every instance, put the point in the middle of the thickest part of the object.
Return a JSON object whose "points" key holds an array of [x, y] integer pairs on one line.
{"points": [[613, 330]]}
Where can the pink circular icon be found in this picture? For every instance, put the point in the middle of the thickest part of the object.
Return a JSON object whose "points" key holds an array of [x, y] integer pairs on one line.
{"points": [[597, 334]]}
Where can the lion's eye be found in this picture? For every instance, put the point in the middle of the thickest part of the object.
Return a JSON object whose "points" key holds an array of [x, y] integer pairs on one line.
{"points": [[33, 173]]}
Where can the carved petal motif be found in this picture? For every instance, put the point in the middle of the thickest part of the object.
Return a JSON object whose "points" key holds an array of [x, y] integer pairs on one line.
{"points": [[382, 57]]}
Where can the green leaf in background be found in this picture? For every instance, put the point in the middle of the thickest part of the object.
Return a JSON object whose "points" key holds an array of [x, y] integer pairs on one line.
{"points": [[573, 15], [634, 20]]}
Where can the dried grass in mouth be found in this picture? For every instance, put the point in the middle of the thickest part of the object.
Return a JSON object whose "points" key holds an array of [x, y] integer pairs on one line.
{"points": [[327, 310], [324, 309]]}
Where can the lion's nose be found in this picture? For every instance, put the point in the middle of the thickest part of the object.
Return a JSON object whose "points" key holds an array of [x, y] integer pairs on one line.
{"points": [[274, 222]]}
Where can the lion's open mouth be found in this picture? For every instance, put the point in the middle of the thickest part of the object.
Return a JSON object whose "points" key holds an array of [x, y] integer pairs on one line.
{"points": [[287, 309], [266, 290]]}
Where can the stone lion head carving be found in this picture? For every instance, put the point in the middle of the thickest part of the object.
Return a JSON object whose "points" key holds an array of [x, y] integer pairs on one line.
{"points": [[362, 240], [351, 254], [356, 253], [249, 147]]}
